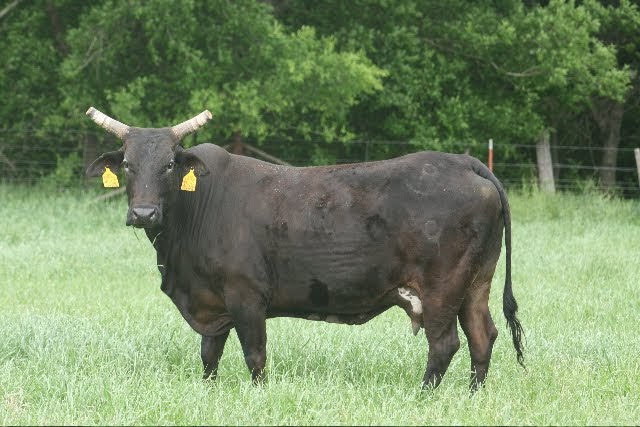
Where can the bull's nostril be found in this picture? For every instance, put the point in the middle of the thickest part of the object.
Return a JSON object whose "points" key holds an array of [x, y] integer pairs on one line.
{"points": [[145, 215]]}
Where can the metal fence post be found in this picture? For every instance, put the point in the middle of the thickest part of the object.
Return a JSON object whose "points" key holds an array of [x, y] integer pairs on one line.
{"points": [[490, 154]]}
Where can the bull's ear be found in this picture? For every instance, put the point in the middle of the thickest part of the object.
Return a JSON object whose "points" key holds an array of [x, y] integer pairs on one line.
{"points": [[188, 160], [112, 160]]}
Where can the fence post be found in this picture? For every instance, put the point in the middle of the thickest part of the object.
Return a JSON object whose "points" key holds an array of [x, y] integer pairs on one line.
{"points": [[491, 154], [237, 146], [545, 165], [637, 153]]}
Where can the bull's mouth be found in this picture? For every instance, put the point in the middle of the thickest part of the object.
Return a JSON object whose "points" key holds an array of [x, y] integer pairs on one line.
{"points": [[144, 216], [143, 226]]}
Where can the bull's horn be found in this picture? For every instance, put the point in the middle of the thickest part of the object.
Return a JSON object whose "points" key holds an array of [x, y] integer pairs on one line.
{"points": [[191, 125], [115, 127]]}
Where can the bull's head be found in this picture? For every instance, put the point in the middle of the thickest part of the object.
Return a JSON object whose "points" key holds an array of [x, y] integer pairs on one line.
{"points": [[154, 162]]}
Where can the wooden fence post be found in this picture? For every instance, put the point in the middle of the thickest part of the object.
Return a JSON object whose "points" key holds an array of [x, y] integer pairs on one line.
{"points": [[545, 165], [637, 153], [237, 143]]}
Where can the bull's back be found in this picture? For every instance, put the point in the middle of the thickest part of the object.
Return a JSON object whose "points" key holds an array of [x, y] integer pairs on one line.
{"points": [[359, 201]]}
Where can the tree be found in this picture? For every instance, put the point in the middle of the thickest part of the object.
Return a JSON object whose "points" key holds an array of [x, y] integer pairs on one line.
{"points": [[619, 26], [461, 71], [442, 75], [28, 83], [155, 64], [230, 57]]}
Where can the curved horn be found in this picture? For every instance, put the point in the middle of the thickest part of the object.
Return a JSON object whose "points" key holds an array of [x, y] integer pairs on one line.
{"points": [[191, 125], [115, 127]]}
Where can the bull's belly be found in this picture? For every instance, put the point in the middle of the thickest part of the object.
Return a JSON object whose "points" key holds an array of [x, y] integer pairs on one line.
{"points": [[345, 283], [212, 320], [348, 286], [356, 312], [346, 319]]}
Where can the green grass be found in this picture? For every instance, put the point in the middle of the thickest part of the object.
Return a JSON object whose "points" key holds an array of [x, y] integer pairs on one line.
{"points": [[87, 337]]}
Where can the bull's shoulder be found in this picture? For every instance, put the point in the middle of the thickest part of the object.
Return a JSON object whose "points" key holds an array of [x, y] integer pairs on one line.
{"points": [[211, 154]]}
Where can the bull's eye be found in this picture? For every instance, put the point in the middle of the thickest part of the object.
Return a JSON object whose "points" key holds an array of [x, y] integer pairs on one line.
{"points": [[125, 165], [171, 165]]}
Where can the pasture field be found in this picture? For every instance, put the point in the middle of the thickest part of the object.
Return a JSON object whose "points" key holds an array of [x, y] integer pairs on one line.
{"points": [[87, 337]]}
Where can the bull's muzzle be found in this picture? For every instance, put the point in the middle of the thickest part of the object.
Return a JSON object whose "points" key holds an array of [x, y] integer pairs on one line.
{"points": [[144, 216]]}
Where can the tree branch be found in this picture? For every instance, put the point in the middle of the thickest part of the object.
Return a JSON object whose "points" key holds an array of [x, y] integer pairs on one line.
{"points": [[90, 55], [8, 8], [110, 194], [4, 159], [529, 72]]}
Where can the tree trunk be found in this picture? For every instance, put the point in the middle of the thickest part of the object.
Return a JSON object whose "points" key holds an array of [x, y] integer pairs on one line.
{"points": [[557, 119], [636, 153], [555, 155], [56, 28], [608, 115], [545, 165]]}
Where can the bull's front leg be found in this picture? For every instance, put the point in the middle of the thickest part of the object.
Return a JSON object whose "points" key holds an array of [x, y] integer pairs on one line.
{"points": [[211, 351], [249, 313]]}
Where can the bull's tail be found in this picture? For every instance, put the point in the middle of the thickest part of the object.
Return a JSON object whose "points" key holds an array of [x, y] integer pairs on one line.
{"points": [[509, 304]]}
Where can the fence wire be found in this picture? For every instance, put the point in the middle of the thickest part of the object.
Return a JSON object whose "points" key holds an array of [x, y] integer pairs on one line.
{"points": [[513, 164]]}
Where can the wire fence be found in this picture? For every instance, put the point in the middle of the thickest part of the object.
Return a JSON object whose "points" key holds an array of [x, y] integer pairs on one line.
{"points": [[575, 167]]}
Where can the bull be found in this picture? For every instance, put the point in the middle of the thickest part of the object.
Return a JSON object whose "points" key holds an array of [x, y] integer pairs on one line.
{"points": [[239, 240]]}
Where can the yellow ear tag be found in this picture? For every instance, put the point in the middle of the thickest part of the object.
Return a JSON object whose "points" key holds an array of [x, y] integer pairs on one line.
{"points": [[109, 179], [189, 181]]}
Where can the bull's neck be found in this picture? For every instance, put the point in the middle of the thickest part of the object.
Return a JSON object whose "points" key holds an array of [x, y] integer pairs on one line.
{"points": [[184, 232], [156, 236], [187, 218]]}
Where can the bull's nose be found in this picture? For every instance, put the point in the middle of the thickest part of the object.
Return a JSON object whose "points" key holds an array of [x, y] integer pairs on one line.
{"points": [[143, 216]]}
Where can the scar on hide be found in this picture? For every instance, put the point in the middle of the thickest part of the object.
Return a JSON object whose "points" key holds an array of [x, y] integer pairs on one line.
{"points": [[376, 226], [487, 191], [323, 201], [429, 169]]}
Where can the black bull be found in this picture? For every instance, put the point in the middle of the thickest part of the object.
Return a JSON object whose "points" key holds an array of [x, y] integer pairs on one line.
{"points": [[335, 243]]}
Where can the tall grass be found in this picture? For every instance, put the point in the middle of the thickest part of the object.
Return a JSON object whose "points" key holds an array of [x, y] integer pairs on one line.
{"points": [[87, 337]]}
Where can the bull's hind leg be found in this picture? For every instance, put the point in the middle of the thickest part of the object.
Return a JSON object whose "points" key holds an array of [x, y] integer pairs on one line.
{"points": [[441, 329], [480, 330]]}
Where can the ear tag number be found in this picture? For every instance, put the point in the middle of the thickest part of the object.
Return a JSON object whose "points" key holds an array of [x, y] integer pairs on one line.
{"points": [[189, 181], [109, 179]]}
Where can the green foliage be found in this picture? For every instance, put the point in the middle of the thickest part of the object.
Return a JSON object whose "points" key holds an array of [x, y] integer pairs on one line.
{"points": [[254, 77], [152, 64], [68, 172], [440, 75], [304, 88], [461, 73]]}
